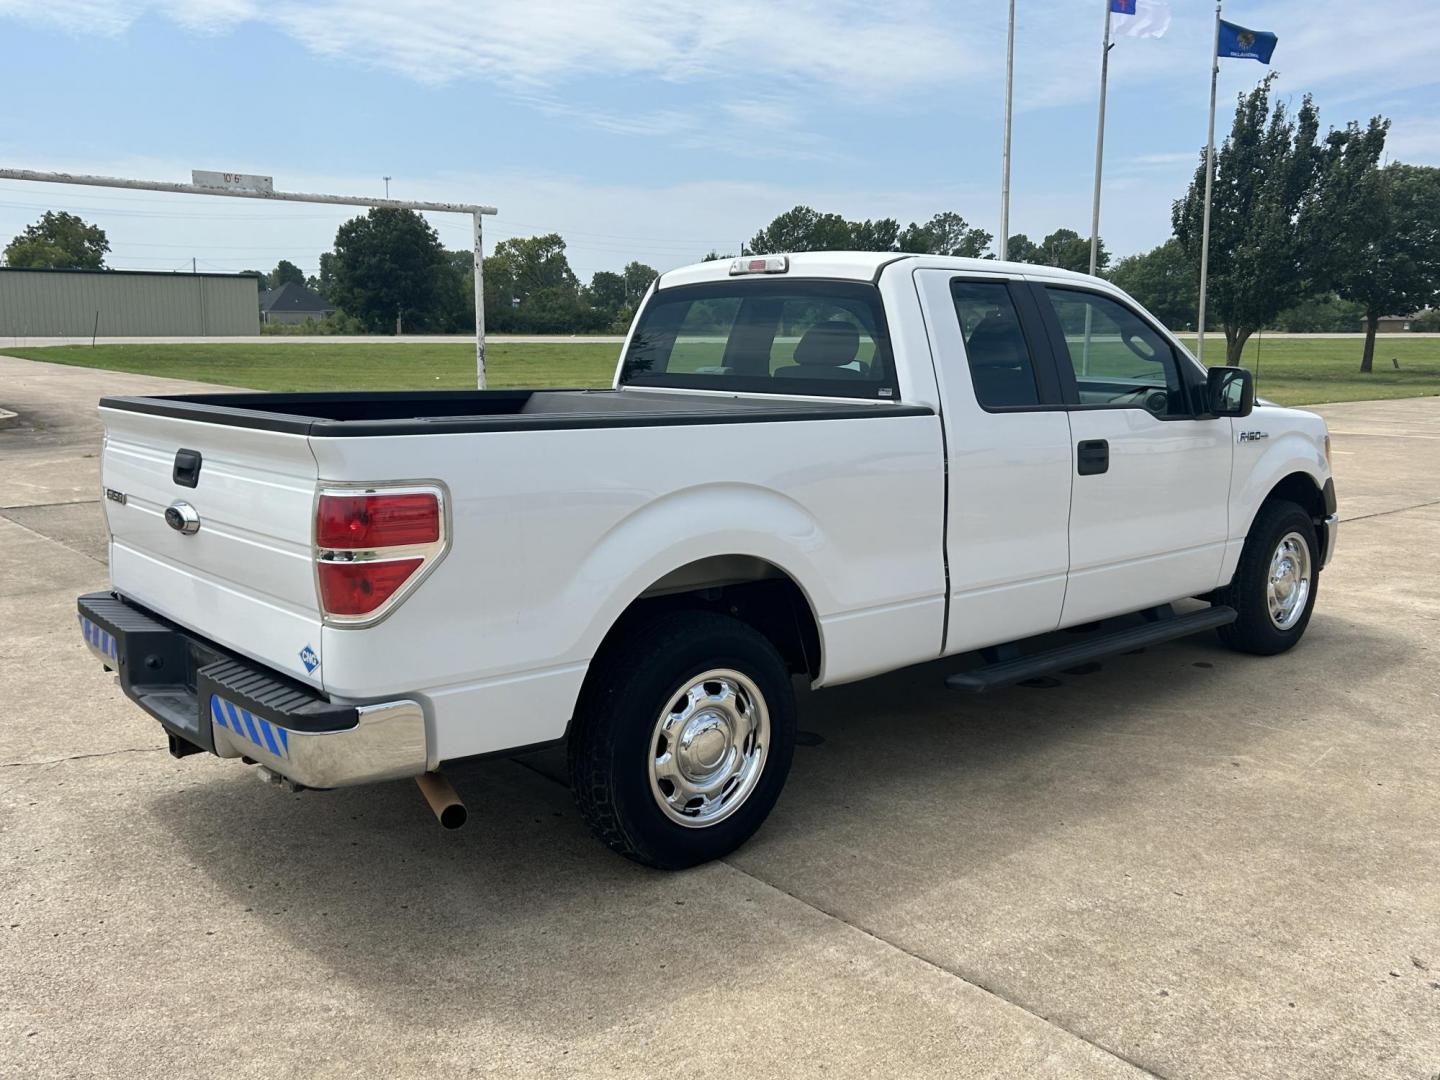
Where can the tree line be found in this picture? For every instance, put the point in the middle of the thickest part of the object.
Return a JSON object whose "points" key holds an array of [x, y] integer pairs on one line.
{"points": [[1309, 232]]}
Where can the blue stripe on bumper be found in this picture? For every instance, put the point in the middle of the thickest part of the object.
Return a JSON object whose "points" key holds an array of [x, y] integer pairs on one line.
{"points": [[98, 639], [248, 726]]}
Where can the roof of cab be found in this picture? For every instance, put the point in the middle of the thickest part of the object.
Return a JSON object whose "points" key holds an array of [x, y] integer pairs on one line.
{"points": [[863, 266]]}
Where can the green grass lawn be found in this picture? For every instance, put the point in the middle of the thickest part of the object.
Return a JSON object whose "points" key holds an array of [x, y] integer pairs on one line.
{"points": [[285, 365], [1292, 371], [1307, 371]]}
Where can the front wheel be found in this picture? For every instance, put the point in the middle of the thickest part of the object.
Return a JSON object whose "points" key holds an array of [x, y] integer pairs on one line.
{"points": [[1275, 584], [683, 739]]}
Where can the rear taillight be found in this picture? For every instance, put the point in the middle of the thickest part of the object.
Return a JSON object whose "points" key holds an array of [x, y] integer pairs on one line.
{"points": [[358, 588], [372, 547], [370, 520]]}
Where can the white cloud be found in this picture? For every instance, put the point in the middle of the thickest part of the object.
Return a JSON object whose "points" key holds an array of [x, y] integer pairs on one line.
{"points": [[866, 48]]}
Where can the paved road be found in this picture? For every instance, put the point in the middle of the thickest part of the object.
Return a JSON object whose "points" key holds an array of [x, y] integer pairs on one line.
{"points": [[1187, 864], [460, 339]]}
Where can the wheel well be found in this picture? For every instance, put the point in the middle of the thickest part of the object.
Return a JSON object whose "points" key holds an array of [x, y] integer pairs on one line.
{"points": [[1301, 489], [750, 589]]}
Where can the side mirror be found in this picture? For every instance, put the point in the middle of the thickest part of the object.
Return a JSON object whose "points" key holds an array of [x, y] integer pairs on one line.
{"points": [[1230, 391]]}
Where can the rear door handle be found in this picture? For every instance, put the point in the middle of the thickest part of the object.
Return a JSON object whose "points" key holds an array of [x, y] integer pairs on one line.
{"points": [[1092, 456]]}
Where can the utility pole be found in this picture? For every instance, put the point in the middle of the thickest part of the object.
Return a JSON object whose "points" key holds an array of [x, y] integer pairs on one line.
{"points": [[1209, 183], [1004, 251], [1099, 146], [192, 265]]}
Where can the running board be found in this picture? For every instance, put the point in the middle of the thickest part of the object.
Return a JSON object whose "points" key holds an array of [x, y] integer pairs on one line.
{"points": [[1161, 626]]}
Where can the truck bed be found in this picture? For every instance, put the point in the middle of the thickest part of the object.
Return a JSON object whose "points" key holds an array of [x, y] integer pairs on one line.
{"points": [[432, 412]]}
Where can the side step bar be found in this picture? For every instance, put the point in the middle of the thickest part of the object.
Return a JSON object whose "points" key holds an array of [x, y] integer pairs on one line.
{"points": [[1162, 625]]}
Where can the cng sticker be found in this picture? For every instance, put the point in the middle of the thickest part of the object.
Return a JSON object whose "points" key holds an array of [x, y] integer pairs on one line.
{"points": [[309, 658]]}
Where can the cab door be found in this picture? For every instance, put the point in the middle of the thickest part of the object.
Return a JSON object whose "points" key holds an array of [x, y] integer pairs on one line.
{"points": [[1149, 506], [1008, 454]]}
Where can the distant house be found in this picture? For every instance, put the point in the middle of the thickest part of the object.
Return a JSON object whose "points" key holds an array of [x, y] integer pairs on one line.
{"points": [[1394, 324], [293, 304]]}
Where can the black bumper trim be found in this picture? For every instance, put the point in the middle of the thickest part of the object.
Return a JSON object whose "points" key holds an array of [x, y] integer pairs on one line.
{"points": [[172, 674]]}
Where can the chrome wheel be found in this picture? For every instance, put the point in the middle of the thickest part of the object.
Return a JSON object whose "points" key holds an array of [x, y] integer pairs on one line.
{"points": [[708, 748], [1287, 590]]}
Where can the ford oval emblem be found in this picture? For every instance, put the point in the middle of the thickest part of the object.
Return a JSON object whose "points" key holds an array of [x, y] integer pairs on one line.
{"points": [[181, 517]]}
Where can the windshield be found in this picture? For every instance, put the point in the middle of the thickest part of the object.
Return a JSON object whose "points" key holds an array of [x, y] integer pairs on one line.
{"points": [[823, 338]]}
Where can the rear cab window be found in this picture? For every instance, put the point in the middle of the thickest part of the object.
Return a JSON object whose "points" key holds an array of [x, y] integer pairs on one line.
{"points": [[1002, 370], [813, 338]]}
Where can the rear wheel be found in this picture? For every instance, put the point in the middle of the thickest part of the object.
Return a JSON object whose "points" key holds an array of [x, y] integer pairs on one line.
{"points": [[683, 739], [1275, 583]]}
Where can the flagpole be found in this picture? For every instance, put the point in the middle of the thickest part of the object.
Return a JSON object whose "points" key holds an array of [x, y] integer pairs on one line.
{"points": [[1209, 184], [1099, 145], [1005, 157]]}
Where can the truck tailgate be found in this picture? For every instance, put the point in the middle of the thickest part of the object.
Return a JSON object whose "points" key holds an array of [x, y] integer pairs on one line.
{"points": [[245, 578]]}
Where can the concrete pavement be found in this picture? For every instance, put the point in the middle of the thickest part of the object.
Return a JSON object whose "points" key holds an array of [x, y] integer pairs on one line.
{"points": [[1186, 864]]}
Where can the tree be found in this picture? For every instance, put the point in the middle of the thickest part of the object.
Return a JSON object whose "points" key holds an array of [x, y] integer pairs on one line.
{"points": [[607, 293], [530, 287], [286, 273], [261, 281], [59, 241], [882, 234], [1164, 280], [1022, 249], [947, 233], [323, 283], [1395, 269], [637, 277], [455, 295], [1322, 314], [1427, 322], [802, 229], [1069, 250], [387, 269], [1266, 174]]}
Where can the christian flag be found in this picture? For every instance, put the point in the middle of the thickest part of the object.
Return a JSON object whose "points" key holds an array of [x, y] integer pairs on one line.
{"points": [[1144, 18], [1244, 44]]}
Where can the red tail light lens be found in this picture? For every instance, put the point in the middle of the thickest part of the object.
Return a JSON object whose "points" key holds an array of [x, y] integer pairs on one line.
{"points": [[358, 588], [377, 521]]}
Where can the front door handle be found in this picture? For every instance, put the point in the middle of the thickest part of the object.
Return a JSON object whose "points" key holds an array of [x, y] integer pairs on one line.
{"points": [[1092, 456]]}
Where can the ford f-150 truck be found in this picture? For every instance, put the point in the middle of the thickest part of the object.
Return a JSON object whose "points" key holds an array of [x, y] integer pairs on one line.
{"points": [[823, 466]]}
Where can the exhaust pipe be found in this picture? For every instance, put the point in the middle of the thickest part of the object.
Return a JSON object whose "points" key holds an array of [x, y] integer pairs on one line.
{"points": [[448, 808]]}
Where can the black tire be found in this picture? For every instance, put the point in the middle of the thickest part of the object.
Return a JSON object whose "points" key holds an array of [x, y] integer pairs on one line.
{"points": [[614, 734], [1254, 631]]}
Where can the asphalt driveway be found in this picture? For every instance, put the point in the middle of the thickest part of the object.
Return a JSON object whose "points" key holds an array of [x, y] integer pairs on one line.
{"points": [[1186, 864]]}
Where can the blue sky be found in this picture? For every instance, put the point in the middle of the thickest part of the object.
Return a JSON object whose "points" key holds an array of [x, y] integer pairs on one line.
{"points": [[654, 130]]}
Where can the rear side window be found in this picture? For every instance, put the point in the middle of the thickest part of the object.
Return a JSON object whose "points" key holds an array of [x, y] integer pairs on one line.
{"points": [[1001, 367], [780, 337]]}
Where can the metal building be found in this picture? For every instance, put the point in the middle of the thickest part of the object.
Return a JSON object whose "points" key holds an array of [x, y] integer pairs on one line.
{"points": [[126, 303]]}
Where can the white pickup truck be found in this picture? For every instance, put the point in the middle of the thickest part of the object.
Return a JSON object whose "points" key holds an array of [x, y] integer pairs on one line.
{"points": [[823, 466]]}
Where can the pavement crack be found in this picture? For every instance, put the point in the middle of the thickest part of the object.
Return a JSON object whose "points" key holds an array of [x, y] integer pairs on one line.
{"points": [[1387, 513], [48, 505], [928, 961], [81, 757]]}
